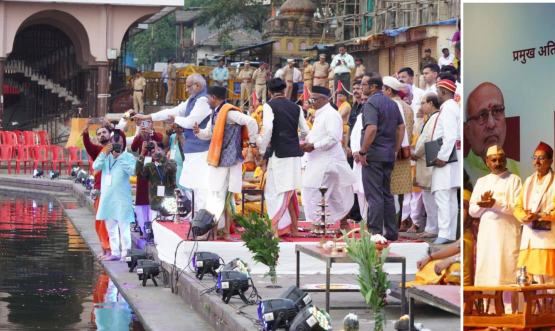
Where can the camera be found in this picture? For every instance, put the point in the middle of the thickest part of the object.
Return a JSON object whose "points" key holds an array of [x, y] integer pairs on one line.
{"points": [[117, 146], [150, 146]]}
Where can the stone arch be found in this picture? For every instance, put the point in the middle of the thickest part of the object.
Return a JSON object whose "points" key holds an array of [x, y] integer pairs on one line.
{"points": [[57, 18]]}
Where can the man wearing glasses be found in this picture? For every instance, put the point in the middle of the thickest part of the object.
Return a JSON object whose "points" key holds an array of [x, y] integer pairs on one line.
{"points": [[485, 127], [187, 114]]}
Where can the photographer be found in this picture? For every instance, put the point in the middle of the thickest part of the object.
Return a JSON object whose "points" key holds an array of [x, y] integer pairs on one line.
{"points": [[142, 203], [116, 203], [174, 139], [93, 150], [159, 174]]}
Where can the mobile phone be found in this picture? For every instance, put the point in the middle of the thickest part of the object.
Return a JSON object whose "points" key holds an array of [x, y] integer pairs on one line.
{"points": [[145, 123], [97, 120]]}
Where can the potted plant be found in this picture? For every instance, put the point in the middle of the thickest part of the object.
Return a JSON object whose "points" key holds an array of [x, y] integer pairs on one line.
{"points": [[259, 238], [372, 279]]}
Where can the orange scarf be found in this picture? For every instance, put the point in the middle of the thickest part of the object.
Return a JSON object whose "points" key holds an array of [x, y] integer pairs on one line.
{"points": [[216, 143]]}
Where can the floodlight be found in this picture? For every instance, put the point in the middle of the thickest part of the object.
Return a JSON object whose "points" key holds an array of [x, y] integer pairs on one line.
{"points": [[133, 255], [232, 282], [276, 313], [147, 269], [202, 223], [37, 173], [204, 262], [311, 319], [149, 234], [298, 296]]}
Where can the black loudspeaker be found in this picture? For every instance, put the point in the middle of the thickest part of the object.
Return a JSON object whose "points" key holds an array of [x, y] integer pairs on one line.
{"points": [[201, 224]]}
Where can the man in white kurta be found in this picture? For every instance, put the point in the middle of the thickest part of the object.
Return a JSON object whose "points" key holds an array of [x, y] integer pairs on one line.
{"points": [[446, 177], [493, 201], [195, 110], [282, 119], [327, 164], [225, 169]]}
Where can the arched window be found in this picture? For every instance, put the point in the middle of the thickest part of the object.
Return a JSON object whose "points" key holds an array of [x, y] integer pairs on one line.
{"points": [[290, 45], [277, 45], [302, 45]]}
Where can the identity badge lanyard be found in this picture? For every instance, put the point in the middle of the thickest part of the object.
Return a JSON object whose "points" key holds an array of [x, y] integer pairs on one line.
{"points": [[160, 188], [109, 176]]}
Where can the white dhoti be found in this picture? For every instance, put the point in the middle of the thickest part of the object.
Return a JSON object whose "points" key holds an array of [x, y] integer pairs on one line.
{"points": [[447, 212], [359, 191], [340, 198], [222, 180], [413, 207], [195, 176], [283, 178], [431, 212]]}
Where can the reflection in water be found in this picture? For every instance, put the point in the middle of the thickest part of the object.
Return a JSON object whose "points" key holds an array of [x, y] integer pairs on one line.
{"points": [[47, 273]]}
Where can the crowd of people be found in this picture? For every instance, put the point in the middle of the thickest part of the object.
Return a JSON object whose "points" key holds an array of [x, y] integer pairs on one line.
{"points": [[365, 154]]}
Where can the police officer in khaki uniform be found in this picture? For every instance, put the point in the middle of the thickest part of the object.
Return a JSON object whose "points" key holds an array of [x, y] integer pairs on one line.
{"points": [[172, 76], [287, 76], [139, 86], [308, 74], [320, 71], [259, 78], [360, 69], [246, 76]]}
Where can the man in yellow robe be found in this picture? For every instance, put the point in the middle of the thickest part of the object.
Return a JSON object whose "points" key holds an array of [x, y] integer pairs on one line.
{"points": [[534, 209]]}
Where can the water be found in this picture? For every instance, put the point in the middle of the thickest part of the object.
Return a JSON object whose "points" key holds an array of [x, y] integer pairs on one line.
{"points": [[49, 279]]}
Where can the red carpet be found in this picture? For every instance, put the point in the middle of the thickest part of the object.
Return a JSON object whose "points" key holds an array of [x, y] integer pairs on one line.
{"points": [[304, 236]]}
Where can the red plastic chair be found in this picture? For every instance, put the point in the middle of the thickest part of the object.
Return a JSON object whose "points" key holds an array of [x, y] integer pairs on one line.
{"points": [[44, 138], [10, 139], [39, 154], [31, 138], [57, 157], [19, 136], [6, 153], [22, 156], [74, 155]]}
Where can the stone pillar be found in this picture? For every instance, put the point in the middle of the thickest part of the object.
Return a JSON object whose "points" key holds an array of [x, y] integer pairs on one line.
{"points": [[102, 96], [2, 66]]}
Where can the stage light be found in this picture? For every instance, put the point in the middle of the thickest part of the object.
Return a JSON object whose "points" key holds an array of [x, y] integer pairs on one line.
{"points": [[54, 174], [232, 282], [134, 255], [81, 177], [89, 183], [147, 269], [183, 203], [204, 262], [276, 313], [168, 207], [237, 263], [311, 319], [149, 234], [298, 296], [75, 171], [202, 223], [37, 173]]}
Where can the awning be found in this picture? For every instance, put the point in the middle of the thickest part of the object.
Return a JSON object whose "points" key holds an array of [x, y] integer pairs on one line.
{"points": [[319, 47], [246, 48], [394, 33]]}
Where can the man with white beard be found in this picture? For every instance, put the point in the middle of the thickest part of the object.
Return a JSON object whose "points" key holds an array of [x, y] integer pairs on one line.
{"points": [[195, 110]]}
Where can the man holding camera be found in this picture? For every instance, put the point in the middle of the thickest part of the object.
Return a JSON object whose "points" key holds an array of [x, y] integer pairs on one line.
{"points": [[160, 174], [93, 150], [227, 128], [116, 203], [142, 201]]}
